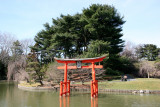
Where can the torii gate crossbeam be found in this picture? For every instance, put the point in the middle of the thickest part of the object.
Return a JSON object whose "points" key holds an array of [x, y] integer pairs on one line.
{"points": [[65, 86]]}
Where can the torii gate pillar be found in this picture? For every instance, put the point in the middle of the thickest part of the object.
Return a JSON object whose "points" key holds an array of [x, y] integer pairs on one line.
{"points": [[65, 85]]}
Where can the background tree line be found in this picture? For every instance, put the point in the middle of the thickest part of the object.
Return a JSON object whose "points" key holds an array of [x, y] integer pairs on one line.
{"points": [[145, 59], [96, 31], [11, 51]]}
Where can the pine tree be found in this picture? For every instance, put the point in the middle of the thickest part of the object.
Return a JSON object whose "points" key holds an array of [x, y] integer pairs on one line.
{"points": [[71, 35], [148, 51], [105, 23], [17, 50], [96, 48], [43, 42]]}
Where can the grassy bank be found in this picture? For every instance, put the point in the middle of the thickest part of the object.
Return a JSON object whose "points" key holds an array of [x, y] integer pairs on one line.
{"points": [[138, 84]]}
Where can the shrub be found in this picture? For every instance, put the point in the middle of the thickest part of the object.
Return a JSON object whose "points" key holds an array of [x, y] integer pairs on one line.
{"points": [[112, 72]]}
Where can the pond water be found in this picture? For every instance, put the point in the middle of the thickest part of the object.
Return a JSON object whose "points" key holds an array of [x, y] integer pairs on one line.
{"points": [[11, 96]]}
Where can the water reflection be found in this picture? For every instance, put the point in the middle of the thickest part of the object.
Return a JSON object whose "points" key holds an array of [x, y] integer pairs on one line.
{"points": [[64, 101], [94, 102], [11, 96]]}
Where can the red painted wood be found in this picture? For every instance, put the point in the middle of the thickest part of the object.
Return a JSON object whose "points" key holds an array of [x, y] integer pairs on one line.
{"points": [[61, 88], [84, 60], [75, 67], [94, 82]]}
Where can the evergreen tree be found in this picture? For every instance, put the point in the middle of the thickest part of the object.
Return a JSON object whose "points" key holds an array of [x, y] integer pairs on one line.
{"points": [[105, 23], [148, 51], [64, 44], [43, 42], [35, 70], [96, 48], [70, 36], [75, 37], [3, 71], [17, 50]]}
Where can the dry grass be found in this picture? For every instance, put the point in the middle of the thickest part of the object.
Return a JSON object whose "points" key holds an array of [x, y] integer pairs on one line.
{"points": [[30, 85]]}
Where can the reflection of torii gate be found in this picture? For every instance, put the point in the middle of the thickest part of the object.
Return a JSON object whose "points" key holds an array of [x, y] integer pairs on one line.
{"points": [[65, 86]]}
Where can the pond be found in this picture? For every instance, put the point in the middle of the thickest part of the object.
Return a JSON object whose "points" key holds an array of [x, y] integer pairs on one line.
{"points": [[11, 96]]}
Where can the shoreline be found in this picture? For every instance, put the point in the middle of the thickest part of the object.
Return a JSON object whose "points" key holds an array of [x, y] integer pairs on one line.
{"points": [[56, 88]]}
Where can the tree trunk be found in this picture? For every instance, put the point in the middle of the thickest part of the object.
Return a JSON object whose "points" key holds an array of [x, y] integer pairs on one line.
{"points": [[148, 74], [41, 82]]}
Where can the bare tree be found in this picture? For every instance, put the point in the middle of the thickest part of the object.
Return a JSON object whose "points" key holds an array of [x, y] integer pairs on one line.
{"points": [[147, 69], [53, 73], [129, 50], [26, 43], [16, 70], [157, 67], [6, 41]]}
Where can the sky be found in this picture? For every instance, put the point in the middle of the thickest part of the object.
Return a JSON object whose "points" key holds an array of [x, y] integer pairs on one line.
{"points": [[25, 18]]}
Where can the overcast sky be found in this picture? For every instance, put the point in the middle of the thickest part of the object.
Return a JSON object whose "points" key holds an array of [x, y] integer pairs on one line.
{"points": [[25, 18]]}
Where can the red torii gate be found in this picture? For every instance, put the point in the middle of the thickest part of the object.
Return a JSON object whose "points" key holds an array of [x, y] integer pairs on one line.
{"points": [[65, 86]]}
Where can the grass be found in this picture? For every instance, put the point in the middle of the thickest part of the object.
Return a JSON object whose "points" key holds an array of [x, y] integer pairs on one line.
{"points": [[138, 84]]}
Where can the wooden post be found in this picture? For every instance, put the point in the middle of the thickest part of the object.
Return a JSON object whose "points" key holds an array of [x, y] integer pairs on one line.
{"points": [[61, 88], [65, 79], [93, 72], [96, 88], [69, 86], [94, 82], [91, 89]]}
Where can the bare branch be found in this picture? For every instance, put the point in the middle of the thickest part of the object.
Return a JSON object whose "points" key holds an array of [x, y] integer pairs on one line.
{"points": [[26, 43]]}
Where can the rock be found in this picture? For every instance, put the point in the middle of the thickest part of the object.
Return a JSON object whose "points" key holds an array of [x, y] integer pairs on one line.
{"points": [[147, 91], [134, 92], [141, 91]]}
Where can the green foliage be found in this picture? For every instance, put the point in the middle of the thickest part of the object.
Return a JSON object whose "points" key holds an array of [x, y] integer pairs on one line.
{"points": [[3, 71], [36, 72], [43, 71], [96, 48], [123, 65], [32, 63], [32, 57], [17, 50], [94, 32], [148, 51], [112, 72], [63, 43], [42, 40], [70, 36], [35, 69], [127, 66], [105, 23], [33, 66]]}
